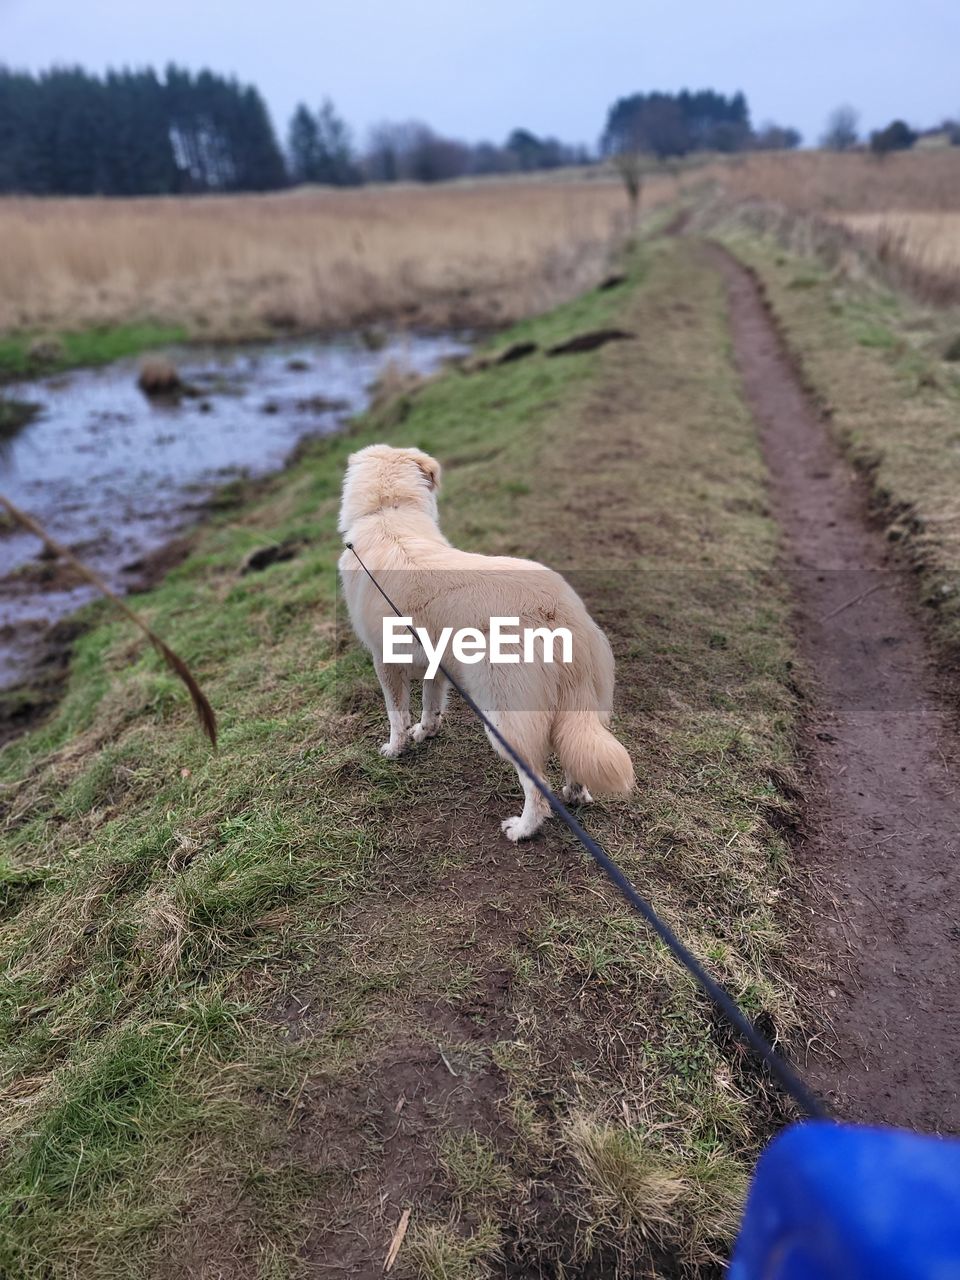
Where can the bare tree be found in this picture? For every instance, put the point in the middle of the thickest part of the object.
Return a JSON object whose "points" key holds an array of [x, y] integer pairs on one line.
{"points": [[629, 165], [841, 132]]}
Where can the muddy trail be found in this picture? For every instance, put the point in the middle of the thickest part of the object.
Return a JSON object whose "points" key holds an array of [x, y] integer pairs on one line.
{"points": [[882, 820]]}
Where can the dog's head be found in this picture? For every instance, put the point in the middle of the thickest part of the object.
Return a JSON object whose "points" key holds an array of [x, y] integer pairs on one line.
{"points": [[381, 477]]}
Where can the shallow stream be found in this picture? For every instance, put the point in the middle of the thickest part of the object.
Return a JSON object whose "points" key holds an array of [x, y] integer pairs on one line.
{"points": [[116, 475]]}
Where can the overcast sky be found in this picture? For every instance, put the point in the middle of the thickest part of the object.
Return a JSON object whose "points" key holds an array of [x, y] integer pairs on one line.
{"points": [[477, 70]]}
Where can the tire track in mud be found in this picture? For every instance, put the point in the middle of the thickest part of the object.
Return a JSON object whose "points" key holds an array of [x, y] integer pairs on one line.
{"points": [[882, 823]]}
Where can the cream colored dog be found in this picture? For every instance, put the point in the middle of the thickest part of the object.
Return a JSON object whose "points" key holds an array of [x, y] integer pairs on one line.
{"points": [[389, 514]]}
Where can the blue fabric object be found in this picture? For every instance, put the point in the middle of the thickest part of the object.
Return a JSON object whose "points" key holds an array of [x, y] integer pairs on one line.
{"points": [[838, 1202]]}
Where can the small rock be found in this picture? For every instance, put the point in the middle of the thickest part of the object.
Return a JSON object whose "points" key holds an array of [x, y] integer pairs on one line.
{"points": [[393, 383], [374, 339], [320, 404], [298, 366], [159, 377]]}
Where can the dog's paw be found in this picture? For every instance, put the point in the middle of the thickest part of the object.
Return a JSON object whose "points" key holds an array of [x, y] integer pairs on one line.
{"points": [[577, 794], [393, 749], [515, 829], [421, 732]]}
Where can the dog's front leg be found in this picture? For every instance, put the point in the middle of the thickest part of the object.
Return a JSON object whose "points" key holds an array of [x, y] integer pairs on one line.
{"points": [[435, 694], [395, 682]]}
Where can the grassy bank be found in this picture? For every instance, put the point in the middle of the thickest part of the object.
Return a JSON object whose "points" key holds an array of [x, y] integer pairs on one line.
{"points": [[29, 355], [257, 1003], [887, 372]]}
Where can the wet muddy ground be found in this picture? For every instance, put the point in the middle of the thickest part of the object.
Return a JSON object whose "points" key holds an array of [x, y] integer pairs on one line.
{"points": [[882, 815], [116, 476]]}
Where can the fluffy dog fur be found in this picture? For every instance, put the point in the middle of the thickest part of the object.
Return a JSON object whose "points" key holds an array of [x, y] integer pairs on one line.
{"points": [[389, 513]]}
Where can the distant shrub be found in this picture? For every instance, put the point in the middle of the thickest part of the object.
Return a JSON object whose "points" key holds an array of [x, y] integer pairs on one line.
{"points": [[897, 136], [776, 137]]}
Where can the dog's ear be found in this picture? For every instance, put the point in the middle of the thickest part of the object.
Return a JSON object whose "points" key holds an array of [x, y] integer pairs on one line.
{"points": [[430, 468]]}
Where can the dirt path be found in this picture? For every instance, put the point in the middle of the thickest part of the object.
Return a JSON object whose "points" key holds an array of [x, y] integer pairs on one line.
{"points": [[883, 819]]}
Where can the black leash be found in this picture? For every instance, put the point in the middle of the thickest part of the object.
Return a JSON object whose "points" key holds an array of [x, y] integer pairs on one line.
{"points": [[779, 1068]]}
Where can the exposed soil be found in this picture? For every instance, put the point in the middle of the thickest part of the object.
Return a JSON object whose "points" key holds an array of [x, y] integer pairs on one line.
{"points": [[48, 648], [589, 341], [436, 1074], [882, 826]]}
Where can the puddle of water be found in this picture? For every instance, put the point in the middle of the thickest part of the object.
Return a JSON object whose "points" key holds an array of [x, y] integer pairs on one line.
{"points": [[116, 476]]}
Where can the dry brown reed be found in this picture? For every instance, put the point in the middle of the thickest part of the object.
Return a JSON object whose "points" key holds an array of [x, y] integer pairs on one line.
{"points": [[896, 218], [472, 253], [828, 182], [311, 259]]}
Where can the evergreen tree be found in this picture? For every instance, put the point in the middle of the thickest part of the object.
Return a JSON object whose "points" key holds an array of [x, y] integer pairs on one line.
{"points": [[133, 133], [320, 148], [335, 149], [258, 160], [303, 146], [668, 124]]}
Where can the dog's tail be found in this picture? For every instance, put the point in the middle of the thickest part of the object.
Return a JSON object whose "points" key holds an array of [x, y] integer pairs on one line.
{"points": [[590, 754]]}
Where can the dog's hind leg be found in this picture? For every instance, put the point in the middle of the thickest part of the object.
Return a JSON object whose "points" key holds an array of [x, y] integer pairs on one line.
{"points": [[529, 733], [575, 792], [535, 809], [435, 694], [395, 682]]}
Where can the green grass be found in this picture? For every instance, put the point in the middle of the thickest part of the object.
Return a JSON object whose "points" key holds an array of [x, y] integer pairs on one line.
{"points": [[292, 983], [70, 350]]}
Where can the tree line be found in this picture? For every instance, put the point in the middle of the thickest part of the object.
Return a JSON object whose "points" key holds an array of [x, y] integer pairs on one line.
{"points": [[320, 149], [843, 134], [670, 125], [68, 132]]}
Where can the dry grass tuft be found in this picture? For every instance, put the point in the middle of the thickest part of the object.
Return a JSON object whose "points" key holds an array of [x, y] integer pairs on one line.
{"points": [[162, 930], [394, 381], [635, 1187], [929, 243], [627, 1180], [446, 1253]]}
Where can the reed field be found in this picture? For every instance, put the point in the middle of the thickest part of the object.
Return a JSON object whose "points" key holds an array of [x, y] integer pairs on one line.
{"points": [[485, 252], [930, 240], [829, 182], [899, 216], [310, 259]]}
